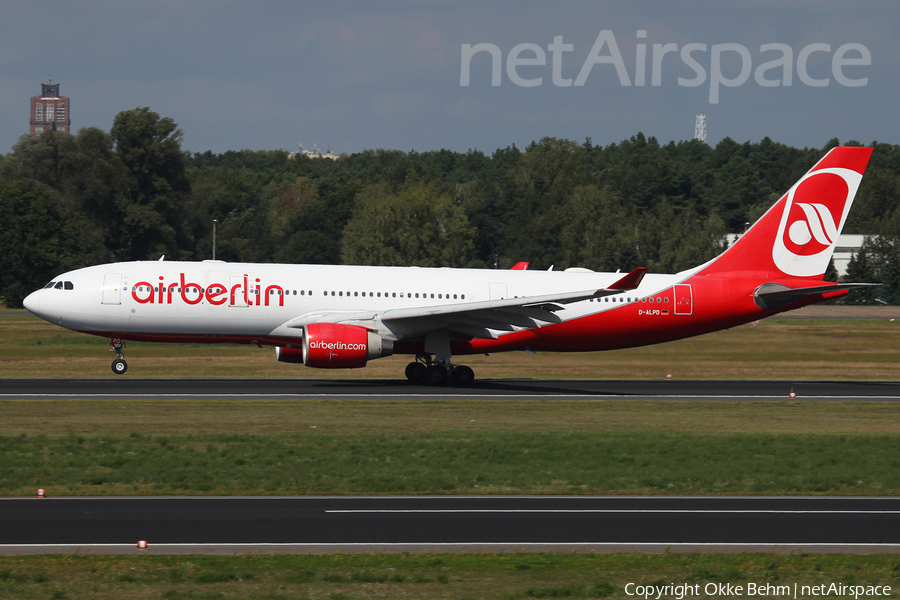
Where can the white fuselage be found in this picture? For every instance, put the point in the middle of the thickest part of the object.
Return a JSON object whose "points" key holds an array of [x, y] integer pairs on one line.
{"points": [[254, 300]]}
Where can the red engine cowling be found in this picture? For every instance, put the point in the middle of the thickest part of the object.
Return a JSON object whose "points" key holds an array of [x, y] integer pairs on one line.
{"points": [[289, 355], [331, 346]]}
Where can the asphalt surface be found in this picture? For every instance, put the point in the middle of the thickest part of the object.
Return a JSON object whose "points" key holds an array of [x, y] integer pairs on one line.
{"points": [[224, 525], [493, 389], [361, 524]]}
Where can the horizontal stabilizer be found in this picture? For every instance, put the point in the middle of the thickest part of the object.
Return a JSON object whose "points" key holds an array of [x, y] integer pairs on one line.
{"points": [[772, 296]]}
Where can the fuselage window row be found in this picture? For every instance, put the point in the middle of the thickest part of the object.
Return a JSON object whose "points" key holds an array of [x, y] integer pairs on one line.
{"points": [[630, 299], [272, 292], [341, 294]]}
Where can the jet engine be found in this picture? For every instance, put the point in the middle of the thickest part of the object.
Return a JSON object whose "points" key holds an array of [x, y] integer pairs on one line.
{"points": [[332, 346]]}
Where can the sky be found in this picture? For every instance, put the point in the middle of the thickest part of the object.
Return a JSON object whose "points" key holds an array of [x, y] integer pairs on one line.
{"points": [[364, 75]]}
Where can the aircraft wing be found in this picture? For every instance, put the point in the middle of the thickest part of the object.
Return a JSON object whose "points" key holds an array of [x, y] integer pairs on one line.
{"points": [[485, 318], [490, 318]]}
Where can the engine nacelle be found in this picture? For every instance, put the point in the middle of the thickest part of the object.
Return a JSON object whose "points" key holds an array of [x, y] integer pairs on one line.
{"points": [[289, 355], [332, 346]]}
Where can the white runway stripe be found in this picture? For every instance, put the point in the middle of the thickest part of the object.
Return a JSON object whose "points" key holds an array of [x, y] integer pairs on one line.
{"points": [[628, 511]]}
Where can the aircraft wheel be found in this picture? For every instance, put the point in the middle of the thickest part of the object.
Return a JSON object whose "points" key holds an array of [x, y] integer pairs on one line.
{"points": [[416, 371], [119, 366], [435, 375], [462, 375]]}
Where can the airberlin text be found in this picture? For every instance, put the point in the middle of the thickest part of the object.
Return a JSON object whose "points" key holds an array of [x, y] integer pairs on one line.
{"points": [[317, 345], [243, 293], [723, 61], [752, 589]]}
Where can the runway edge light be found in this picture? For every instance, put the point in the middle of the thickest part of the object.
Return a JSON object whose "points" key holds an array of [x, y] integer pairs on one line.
{"points": [[40, 492], [142, 545]]}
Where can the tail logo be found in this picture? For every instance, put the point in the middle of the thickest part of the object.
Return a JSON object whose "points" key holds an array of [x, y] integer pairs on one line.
{"points": [[814, 214], [816, 225]]}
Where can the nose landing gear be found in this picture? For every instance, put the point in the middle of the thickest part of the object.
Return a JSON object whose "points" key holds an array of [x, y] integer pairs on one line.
{"points": [[119, 366]]}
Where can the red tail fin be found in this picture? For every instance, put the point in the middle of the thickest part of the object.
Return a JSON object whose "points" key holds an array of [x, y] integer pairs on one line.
{"points": [[797, 236]]}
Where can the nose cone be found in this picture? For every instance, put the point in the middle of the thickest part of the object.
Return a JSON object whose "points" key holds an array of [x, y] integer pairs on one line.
{"points": [[33, 302]]}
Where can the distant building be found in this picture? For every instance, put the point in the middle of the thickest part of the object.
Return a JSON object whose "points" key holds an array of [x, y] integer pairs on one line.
{"points": [[848, 245], [50, 111], [314, 153]]}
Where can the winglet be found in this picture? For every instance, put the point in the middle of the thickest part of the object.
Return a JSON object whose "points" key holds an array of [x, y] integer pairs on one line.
{"points": [[520, 266], [630, 281]]}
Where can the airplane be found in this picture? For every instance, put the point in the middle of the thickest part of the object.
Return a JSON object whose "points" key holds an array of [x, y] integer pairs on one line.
{"points": [[340, 317]]}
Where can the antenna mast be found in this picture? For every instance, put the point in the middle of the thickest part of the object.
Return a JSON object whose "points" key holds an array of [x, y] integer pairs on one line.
{"points": [[700, 128]]}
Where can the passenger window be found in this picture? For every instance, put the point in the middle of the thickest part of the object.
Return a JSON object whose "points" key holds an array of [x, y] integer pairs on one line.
{"points": [[379, 294], [394, 295]]}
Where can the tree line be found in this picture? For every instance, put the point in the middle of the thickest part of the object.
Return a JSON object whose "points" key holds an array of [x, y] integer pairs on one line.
{"points": [[132, 193]]}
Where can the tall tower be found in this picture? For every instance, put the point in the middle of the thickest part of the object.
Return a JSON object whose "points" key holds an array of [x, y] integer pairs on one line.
{"points": [[50, 111], [700, 128]]}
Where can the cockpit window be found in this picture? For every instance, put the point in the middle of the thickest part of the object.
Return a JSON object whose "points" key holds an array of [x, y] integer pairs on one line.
{"points": [[68, 285], [49, 285], [59, 285]]}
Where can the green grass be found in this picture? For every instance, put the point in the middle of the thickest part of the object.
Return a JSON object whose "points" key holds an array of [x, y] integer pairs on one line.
{"points": [[507, 576], [473, 462], [447, 447]]}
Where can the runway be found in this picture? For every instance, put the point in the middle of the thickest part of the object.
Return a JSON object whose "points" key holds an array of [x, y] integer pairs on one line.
{"points": [[228, 525], [427, 524], [499, 389]]}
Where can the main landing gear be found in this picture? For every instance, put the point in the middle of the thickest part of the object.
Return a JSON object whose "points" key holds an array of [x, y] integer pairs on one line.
{"points": [[427, 370], [119, 366]]}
